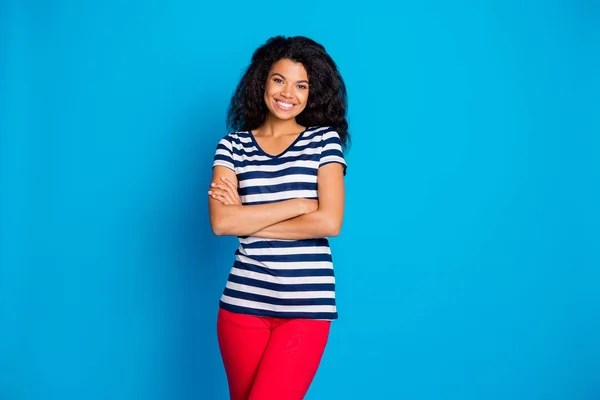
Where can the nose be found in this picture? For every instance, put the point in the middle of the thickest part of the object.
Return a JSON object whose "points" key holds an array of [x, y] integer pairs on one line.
{"points": [[286, 91]]}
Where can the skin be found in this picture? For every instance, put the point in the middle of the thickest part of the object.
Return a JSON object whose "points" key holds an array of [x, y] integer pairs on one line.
{"points": [[293, 219]]}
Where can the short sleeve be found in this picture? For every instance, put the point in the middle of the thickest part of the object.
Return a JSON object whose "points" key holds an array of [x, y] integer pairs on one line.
{"points": [[331, 150], [224, 154]]}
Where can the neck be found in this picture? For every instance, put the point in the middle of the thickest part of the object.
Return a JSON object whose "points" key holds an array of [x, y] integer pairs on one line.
{"points": [[274, 126]]}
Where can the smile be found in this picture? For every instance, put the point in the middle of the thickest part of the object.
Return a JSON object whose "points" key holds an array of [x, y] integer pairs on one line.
{"points": [[284, 106]]}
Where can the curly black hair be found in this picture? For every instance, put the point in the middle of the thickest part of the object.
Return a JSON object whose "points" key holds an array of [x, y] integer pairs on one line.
{"points": [[327, 99]]}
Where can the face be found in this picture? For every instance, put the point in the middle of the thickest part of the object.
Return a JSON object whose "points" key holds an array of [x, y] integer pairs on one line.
{"points": [[286, 89]]}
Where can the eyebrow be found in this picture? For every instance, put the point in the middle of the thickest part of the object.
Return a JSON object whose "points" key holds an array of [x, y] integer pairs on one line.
{"points": [[277, 73]]}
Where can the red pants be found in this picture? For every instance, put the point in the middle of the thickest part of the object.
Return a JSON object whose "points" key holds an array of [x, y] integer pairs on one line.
{"points": [[270, 358]]}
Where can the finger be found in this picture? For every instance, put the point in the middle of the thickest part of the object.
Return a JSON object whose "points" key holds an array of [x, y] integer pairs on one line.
{"points": [[224, 188], [233, 196], [220, 198], [224, 192], [229, 183], [215, 193], [234, 189], [223, 200]]}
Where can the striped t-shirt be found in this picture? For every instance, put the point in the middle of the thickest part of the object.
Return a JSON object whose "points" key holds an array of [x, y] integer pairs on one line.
{"points": [[280, 278]]}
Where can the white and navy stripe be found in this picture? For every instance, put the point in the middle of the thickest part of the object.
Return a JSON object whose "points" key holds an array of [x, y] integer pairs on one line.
{"points": [[280, 278]]}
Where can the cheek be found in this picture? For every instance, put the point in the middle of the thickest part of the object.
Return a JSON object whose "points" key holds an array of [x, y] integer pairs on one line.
{"points": [[269, 88], [268, 93], [304, 98]]}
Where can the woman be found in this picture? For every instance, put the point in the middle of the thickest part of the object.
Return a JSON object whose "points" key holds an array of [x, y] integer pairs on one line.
{"points": [[289, 117]]}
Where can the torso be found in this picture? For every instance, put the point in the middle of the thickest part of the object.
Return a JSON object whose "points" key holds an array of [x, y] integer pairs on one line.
{"points": [[281, 278]]}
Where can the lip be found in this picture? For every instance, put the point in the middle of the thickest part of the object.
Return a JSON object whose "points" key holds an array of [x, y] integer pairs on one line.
{"points": [[279, 106]]}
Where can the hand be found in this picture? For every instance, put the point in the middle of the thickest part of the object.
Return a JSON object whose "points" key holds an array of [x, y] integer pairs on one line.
{"points": [[225, 192]]}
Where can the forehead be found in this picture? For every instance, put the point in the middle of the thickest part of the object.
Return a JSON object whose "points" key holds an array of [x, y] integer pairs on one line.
{"points": [[290, 69]]}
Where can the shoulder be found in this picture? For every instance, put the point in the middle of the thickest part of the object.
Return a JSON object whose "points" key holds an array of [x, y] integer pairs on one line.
{"points": [[235, 136], [235, 139], [325, 135], [321, 133]]}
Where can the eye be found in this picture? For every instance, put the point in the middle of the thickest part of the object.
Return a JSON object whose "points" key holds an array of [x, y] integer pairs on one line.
{"points": [[278, 80], [302, 87]]}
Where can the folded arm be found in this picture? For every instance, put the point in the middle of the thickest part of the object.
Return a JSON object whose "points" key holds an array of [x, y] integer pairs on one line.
{"points": [[229, 217], [326, 221]]}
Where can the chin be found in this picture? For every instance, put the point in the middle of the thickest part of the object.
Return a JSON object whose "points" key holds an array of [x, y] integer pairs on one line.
{"points": [[282, 115]]}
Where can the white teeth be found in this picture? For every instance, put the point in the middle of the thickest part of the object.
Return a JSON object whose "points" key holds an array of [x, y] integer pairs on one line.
{"points": [[285, 105]]}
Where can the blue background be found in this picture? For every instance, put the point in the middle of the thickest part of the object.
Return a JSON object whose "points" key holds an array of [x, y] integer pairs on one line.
{"points": [[468, 265]]}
